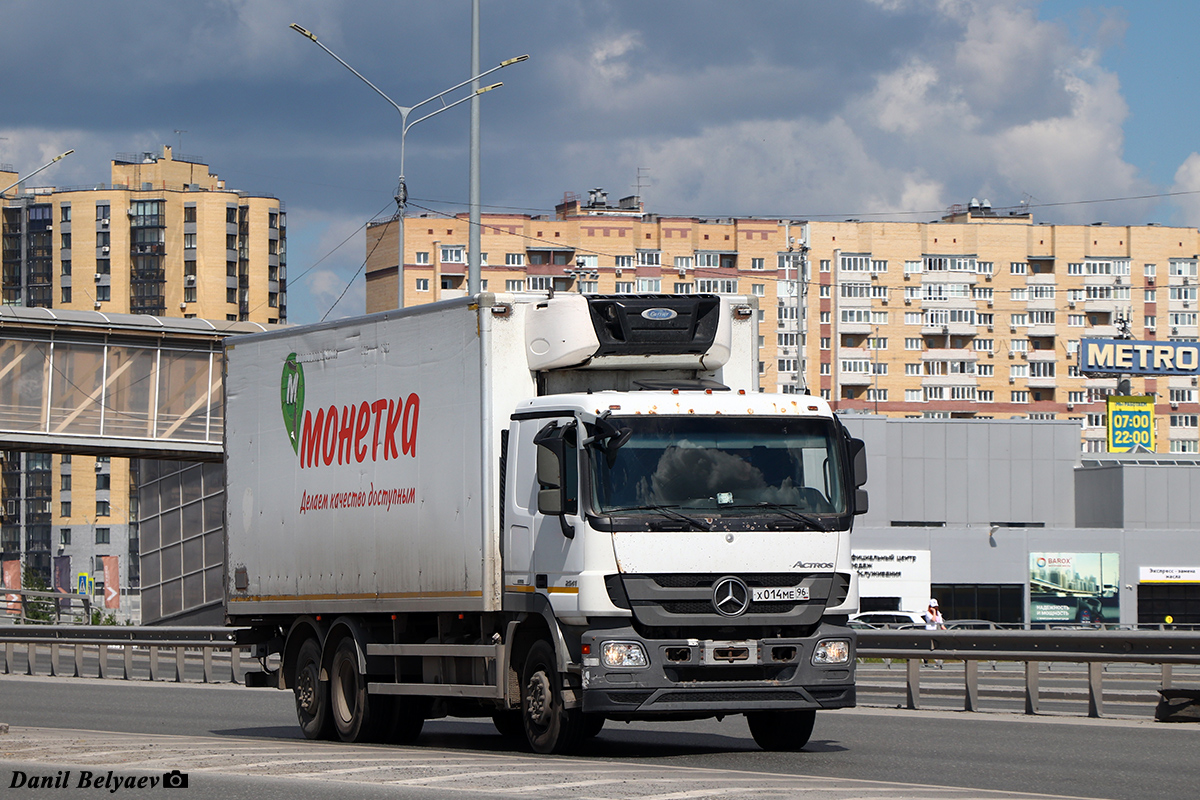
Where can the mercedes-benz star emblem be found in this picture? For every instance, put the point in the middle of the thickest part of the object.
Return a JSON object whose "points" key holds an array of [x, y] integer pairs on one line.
{"points": [[731, 597]]}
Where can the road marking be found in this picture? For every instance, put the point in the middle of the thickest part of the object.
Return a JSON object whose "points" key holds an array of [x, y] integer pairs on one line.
{"points": [[443, 773]]}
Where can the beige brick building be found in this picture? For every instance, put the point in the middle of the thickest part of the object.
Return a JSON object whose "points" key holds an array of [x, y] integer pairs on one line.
{"points": [[166, 237], [978, 314]]}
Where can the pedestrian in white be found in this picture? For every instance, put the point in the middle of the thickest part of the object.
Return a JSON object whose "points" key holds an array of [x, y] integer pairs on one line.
{"points": [[933, 617]]}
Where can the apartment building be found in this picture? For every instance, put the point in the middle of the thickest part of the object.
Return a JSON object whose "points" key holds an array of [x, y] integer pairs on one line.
{"points": [[976, 315], [167, 238]]}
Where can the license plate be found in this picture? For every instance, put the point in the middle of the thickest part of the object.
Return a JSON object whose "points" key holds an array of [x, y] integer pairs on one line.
{"points": [[768, 594]]}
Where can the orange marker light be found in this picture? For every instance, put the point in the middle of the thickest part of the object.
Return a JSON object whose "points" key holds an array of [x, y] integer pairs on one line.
{"points": [[587, 649]]}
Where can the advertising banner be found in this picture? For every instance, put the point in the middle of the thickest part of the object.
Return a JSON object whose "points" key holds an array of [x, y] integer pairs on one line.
{"points": [[112, 582], [1139, 358], [1169, 574], [12, 580], [1074, 588], [1130, 423], [62, 579]]}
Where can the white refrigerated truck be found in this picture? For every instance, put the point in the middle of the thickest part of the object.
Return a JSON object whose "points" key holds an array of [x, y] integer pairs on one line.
{"points": [[551, 510]]}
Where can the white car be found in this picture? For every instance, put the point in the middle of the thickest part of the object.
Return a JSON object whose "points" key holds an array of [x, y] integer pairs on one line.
{"points": [[890, 619]]}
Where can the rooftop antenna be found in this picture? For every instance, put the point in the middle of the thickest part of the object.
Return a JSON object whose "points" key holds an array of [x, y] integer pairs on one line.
{"points": [[643, 180], [180, 134]]}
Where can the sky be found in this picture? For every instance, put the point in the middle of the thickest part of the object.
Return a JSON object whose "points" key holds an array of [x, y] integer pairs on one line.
{"points": [[866, 109]]}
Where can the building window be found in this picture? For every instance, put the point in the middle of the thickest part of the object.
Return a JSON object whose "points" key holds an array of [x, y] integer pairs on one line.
{"points": [[514, 259], [231, 294], [422, 284], [1183, 420], [758, 289], [623, 262], [422, 257], [649, 285], [1185, 446], [66, 294], [103, 293], [592, 287], [64, 508], [453, 255], [65, 482], [102, 508], [64, 537], [189, 295], [684, 288], [514, 285], [824, 342], [623, 287], [189, 214], [103, 535], [914, 343], [914, 396], [716, 286], [757, 263]]}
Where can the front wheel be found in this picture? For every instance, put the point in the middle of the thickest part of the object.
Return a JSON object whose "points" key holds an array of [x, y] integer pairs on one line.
{"points": [[782, 731], [312, 696], [550, 727]]}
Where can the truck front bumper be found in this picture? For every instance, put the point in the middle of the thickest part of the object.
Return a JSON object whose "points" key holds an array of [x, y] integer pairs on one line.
{"points": [[687, 677]]}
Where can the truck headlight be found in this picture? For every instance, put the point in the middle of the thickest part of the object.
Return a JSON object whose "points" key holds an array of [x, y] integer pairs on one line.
{"points": [[831, 651], [623, 654]]}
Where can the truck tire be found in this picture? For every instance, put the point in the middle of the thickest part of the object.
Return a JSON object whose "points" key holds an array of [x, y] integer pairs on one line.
{"points": [[349, 704], [550, 727], [782, 731], [312, 696]]}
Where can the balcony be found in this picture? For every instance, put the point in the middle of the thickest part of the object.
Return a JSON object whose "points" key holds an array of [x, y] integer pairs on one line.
{"points": [[856, 378]]}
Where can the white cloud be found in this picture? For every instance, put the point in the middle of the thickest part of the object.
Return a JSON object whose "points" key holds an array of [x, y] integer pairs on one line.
{"points": [[1187, 179]]}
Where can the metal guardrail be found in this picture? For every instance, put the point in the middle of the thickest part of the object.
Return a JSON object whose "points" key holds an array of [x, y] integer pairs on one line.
{"points": [[190, 644], [29, 604], [1095, 648]]}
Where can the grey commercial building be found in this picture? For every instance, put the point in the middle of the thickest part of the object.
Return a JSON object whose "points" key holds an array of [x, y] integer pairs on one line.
{"points": [[1005, 520]]}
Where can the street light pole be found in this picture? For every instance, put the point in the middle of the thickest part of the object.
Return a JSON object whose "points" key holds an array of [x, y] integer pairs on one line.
{"points": [[401, 188], [35, 172]]}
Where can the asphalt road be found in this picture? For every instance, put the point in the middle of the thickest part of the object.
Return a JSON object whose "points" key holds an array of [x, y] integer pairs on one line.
{"points": [[854, 753]]}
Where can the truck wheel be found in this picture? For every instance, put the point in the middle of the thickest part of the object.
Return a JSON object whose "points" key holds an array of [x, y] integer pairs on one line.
{"points": [[348, 701], [782, 731], [312, 696], [407, 717], [549, 726]]}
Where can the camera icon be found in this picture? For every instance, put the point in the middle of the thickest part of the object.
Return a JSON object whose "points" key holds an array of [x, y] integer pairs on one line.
{"points": [[175, 780]]}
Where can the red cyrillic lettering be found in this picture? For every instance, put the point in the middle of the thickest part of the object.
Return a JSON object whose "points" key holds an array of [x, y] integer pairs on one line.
{"points": [[346, 436], [378, 407], [330, 437], [408, 434], [389, 436], [360, 430]]}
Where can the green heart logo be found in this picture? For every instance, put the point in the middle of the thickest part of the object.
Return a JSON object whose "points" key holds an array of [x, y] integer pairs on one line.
{"points": [[291, 398]]}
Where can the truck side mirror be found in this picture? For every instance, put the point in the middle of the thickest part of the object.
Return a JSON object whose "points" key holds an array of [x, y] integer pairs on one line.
{"points": [[858, 456], [549, 476], [557, 473]]}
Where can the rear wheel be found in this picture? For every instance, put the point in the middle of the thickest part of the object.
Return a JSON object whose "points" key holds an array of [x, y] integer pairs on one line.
{"points": [[550, 727], [356, 717], [782, 731], [312, 696]]}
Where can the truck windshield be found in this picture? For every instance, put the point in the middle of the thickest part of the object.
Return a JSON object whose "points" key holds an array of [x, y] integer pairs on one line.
{"points": [[723, 465]]}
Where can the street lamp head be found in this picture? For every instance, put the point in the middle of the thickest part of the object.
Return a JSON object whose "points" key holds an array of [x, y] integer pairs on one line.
{"points": [[303, 31], [489, 88], [516, 60]]}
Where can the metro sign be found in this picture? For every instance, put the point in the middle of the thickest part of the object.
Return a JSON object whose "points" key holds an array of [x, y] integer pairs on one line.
{"points": [[1134, 357]]}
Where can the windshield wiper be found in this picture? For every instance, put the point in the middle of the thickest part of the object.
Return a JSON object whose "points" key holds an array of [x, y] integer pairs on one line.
{"points": [[666, 511], [789, 511]]}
